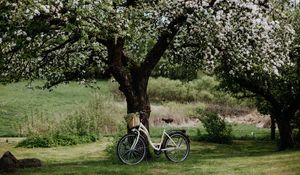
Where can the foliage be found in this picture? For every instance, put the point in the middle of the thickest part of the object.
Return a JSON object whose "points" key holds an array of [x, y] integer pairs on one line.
{"points": [[216, 127], [203, 89], [59, 139], [86, 125], [247, 43], [271, 74], [111, 149], [62, 40], [175, 71]]}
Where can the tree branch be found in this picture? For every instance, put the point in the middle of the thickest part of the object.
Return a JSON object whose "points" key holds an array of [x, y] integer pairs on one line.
{"points": [[129, 3], [211, 4], [248, 85], [154, 55], [46, 53], [72, 74]]}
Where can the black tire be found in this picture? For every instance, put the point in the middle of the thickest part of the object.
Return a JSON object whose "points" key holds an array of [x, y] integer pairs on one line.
{"points": [[128, 156], [183, 143]]}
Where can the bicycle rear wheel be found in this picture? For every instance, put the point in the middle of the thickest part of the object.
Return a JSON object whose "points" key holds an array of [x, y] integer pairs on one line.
{"points": [[178, 147], [131, 156]]}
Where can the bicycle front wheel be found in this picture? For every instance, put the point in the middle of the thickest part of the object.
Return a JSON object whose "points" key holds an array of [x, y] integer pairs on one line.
{"points": [[177, 147], [129, 155]]}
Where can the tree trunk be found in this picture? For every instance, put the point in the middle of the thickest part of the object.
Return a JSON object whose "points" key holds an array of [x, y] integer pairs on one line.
{"points": [[133, 77], [273, 127], [132, 80], [285, 132], [138, 99]]}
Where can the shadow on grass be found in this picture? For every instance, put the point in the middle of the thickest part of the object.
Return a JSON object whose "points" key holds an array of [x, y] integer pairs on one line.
{"points": [[200, 153], [239, 148]]}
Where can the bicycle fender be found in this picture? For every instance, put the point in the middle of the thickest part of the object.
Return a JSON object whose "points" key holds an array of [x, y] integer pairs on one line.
{"points": [[183, 132]]}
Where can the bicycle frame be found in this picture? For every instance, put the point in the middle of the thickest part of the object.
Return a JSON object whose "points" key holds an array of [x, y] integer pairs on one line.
{"points": [[143, 129]]}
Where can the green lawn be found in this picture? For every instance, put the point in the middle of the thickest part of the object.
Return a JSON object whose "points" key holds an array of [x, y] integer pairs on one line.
{"points": [[18, 102], [242, 157], [252, 155]]}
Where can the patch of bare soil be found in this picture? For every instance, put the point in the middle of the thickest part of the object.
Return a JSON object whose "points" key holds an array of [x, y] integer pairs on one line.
{"points": [[240, 115]]}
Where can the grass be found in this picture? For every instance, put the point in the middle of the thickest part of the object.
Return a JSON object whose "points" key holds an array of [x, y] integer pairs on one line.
{"points": [[252, 155], [18, 102], [241, 157]]}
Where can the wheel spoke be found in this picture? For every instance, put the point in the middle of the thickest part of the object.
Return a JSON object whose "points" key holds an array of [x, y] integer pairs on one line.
{"points": [[128, 155], [181, 140], [182, 148]]}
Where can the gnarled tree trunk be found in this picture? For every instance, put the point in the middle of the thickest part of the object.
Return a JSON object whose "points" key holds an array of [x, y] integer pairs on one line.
{"points": [[133, 77], [132, 80]]}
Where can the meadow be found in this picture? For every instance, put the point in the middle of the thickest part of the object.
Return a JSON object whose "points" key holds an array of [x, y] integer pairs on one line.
{"points": [[25, 111], [241, 157]]}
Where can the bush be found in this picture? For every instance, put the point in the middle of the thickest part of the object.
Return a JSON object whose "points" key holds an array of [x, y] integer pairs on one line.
{"points": [[163, 89], [217, 129], [46, 141], [111, 149], [36, 141]]}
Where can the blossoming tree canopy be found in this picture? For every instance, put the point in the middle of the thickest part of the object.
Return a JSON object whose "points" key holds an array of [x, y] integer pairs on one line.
{"points": [[45, 31], [263, 63], [62, 40]]}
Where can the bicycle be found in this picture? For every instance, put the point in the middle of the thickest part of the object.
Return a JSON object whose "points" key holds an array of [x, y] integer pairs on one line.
{"points": [[131, 148]]}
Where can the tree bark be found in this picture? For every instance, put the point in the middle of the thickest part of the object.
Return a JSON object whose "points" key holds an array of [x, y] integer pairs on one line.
{"points": [[133, 83], [285, 132], [138, 99], [133, 78], [273, 127]]}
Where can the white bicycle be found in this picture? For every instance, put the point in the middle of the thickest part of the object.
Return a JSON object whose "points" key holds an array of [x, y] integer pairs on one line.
{"points": [[132, 147]]}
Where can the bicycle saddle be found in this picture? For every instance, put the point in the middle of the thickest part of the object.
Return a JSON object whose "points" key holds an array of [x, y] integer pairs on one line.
{"points": [[167, 120]]}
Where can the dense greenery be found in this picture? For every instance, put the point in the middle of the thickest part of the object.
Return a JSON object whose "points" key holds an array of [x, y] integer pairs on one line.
{"points": [[202, 89], [49, 118], [217, 129], [47, 141], [87, 124], [277, 85], [253, 46], [62, 40]]}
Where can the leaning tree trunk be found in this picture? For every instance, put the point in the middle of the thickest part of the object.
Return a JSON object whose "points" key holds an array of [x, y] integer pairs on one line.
{"points": [[285, 133]]}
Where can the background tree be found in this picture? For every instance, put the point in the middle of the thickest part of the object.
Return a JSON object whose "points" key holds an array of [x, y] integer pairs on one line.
{"points": [[265, 108], [61, 40], [272, 73]]}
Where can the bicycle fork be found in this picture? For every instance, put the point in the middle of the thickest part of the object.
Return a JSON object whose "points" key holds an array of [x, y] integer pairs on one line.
{"points": [[135, 140]]}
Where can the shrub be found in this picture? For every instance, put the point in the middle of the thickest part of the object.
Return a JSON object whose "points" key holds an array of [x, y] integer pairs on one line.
{"points": [[46, 141], [36, 141], [163, 89], [217, 129], [111, 149]]}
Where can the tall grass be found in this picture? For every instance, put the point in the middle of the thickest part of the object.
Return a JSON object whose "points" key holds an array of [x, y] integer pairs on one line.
{"points": [[203, 89], [18, 102], [88, 123]]}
